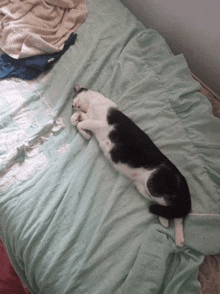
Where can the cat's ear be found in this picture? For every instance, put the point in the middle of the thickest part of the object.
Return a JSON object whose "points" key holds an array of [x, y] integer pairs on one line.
{"points": [[77, 88]]}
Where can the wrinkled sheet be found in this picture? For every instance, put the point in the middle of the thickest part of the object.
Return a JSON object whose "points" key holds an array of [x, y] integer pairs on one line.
{"points": [[35, 27], [72, 224]]}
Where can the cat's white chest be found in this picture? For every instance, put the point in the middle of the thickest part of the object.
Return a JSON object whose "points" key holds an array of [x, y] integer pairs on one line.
{"points": [[102, 135]]}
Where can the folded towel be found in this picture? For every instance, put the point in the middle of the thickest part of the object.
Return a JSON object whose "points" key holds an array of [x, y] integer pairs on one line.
{"points": [[34, 27], [31, 67]]}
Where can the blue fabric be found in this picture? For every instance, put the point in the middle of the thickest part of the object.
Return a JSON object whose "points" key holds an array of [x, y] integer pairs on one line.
{"points": [[31, 67]]}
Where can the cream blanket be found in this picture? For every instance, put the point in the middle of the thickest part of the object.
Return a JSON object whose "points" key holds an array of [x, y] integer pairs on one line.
{"points": [[34, 27]]}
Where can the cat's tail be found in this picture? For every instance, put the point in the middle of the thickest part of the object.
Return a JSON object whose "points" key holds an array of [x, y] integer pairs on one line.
{"points": [[169, 212]]}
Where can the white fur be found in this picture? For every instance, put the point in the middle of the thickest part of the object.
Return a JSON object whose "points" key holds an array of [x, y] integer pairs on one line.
{"points": [[179, 238], [91, 116]]}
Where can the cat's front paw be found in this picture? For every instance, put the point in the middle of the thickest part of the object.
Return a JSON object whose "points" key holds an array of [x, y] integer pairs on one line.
{"points": [[75, 118]]}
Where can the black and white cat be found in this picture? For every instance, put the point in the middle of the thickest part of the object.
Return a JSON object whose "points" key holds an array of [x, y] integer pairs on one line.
{"points": [[133, 154]]}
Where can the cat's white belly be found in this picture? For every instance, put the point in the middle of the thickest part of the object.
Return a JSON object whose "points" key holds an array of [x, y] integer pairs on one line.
{"points": [[134, 173], [103, 139], [139, 176]]}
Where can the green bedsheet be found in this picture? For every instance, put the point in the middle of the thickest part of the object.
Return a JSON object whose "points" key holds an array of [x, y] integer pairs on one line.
{"points": [[70, 223]]}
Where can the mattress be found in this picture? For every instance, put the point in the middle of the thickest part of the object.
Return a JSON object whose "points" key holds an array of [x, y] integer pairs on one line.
{"points": [[209, 271], [69, 222]]}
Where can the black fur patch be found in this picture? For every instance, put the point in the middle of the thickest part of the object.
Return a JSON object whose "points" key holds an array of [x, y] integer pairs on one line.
{"points": [[134, 148], [81, 90], [172, 185], [132, 145]]}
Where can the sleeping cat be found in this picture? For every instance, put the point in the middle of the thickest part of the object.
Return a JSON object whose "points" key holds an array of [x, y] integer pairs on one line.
{"points": [[133, 154]]}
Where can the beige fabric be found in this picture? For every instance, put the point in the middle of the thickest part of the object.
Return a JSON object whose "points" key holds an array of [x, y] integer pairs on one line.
{"points": [[33, 27]]}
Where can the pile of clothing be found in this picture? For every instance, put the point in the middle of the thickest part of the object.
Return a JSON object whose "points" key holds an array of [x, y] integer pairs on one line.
{"points": [[35, 33]]}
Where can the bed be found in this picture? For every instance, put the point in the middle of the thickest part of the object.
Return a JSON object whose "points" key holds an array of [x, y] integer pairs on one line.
{"points": [[69, 222]]}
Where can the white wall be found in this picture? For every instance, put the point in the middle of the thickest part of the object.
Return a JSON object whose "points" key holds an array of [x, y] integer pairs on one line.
{"points": [[191, 27]]}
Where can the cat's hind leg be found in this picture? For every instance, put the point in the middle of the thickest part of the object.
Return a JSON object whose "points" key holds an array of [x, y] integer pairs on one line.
{"points": [[178, 225], [164, 222], [179, 238]]}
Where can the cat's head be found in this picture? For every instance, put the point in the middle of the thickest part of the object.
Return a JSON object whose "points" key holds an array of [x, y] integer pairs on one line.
{"points": [[80, 102]]}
